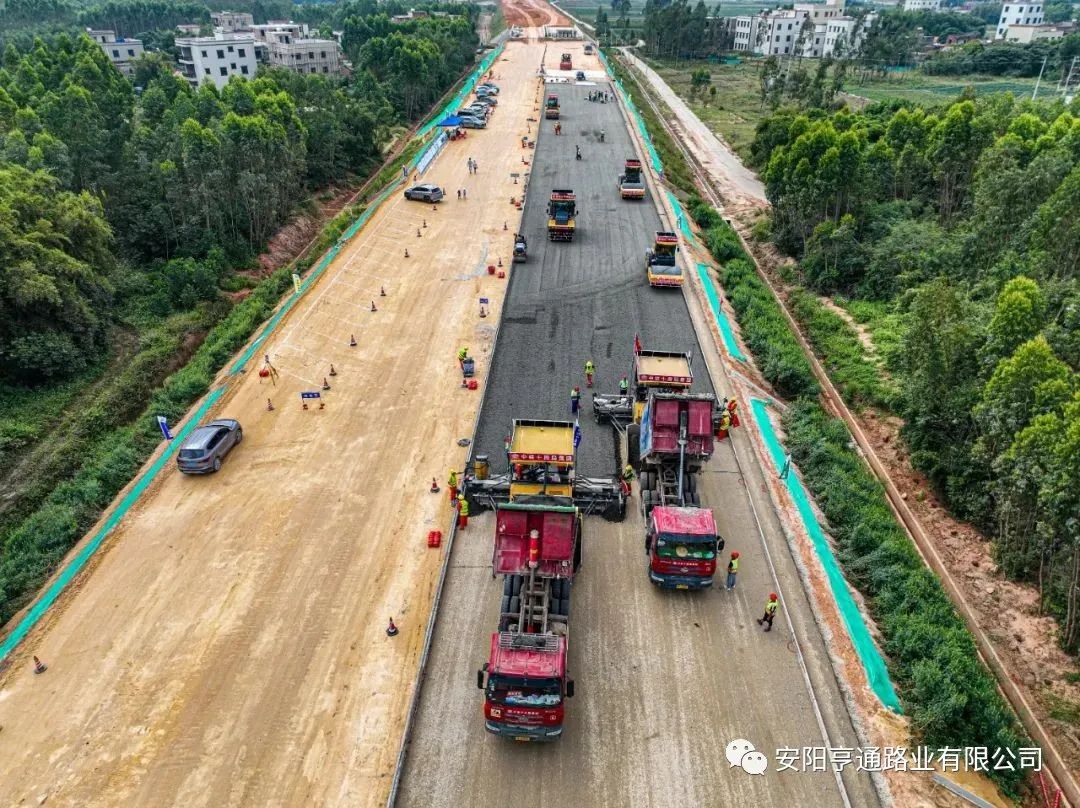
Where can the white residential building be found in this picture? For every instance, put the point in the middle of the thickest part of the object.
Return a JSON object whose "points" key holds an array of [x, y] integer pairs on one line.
{"points": [[280, 31], [307, 56], [216, 58], [922, 5], [746, 33], [1022, 14], [121, 52], [229, 21], [780, 31]]}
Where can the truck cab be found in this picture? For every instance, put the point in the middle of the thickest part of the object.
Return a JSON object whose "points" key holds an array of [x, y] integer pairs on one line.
{"points": [[660, 264], [681, 543], [551, 107], [537, 551], [631, 185], [562, 210], [565, 62]]}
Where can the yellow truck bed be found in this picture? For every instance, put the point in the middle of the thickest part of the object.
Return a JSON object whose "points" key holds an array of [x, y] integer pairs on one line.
{"points": [[550, 442], [670, 370]]}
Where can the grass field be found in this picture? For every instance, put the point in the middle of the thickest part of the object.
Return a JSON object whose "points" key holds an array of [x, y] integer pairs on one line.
{"points": [[737, 107]]}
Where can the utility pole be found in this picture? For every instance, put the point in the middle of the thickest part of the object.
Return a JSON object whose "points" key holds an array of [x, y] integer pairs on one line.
{"points": [[1067, 85], [1035, 92]]}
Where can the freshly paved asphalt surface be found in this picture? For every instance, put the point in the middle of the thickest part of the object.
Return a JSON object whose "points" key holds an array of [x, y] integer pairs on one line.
{"points": [[664, 679], [581, 300]]}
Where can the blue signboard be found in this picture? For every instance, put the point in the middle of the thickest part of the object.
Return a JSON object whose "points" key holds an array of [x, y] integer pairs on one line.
{"points": [[164, 427], [577, 435], [311, 395]]}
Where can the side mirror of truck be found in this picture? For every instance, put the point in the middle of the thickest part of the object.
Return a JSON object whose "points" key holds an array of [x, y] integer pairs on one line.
{"points": [[569, 688]]}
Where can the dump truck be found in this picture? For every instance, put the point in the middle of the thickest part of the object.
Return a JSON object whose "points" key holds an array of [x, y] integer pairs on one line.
{"points": [[562, 208], [525, 680], [660, 265], [540, 462], [521, 249], [551, 106], [669, 437], [631, 185], [565, 62]]}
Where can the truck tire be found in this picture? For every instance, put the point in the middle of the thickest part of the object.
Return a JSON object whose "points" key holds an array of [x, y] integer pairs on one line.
{"points": [[691, 483], [556, 589], [515, 604], [515, 584], [508, 585], [633, 446], [564, 608], [504, 604], [692, 499]]}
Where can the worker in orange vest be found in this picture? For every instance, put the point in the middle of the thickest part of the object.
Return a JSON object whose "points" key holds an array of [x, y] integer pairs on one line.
{"points": [[770, 611], [451, 483], [723, 426], [732, 406]]}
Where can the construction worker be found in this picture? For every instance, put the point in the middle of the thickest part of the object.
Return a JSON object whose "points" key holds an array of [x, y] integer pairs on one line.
{"points": [[723, 427], [590, 370], [601, 135], [575, 400], [451, 483], [770, 612], [637, 345], [462, 354], [732, 569], [732, 406], [463, 512], [624, 386], [627, 478], [577, 152]]}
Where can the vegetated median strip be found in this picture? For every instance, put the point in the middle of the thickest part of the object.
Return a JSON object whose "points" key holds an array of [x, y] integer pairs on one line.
{"points": [[278, 279], [873, 663]]}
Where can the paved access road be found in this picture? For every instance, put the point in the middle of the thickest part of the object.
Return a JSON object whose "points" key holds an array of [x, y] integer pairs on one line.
{"points": [[664, 680]]}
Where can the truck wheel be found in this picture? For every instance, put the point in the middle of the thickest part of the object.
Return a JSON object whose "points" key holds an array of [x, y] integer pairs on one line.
{"points": [[633, 445], [504, 604], [515, 604], [508, 585], [556, 589], [564, 608], [515, 584], [691, 484], [692, 500]]}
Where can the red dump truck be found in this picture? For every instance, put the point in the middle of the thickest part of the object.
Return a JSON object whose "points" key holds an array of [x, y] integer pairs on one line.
{"points": [[565, 62], [669, 437], [537, 551]]}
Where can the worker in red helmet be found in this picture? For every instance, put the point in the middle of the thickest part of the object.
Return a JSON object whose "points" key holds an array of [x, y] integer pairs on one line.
{"points": [[770, 611], [732, 569]]}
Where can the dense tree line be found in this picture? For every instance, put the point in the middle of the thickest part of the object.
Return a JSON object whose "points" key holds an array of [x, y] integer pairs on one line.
{"points": [[1006, 58], [679, 29], [964, 219], [154, 197]]}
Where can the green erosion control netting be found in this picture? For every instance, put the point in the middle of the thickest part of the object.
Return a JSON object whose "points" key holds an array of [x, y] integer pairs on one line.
{"points": [[722, 321], [653, 156], [873, 663], [466, 89]]}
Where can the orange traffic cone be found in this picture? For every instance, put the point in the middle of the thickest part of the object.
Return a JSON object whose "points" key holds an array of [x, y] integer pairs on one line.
{"points": [[418, 232], [373, 306], [39, 666], [425, 224], [325, 384], [352, 340], [382, 292], [500, 260], [391, 630], [406, 252], [332, 371], [504, 224], [434, 486], [269, 405], [483, 313]]}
